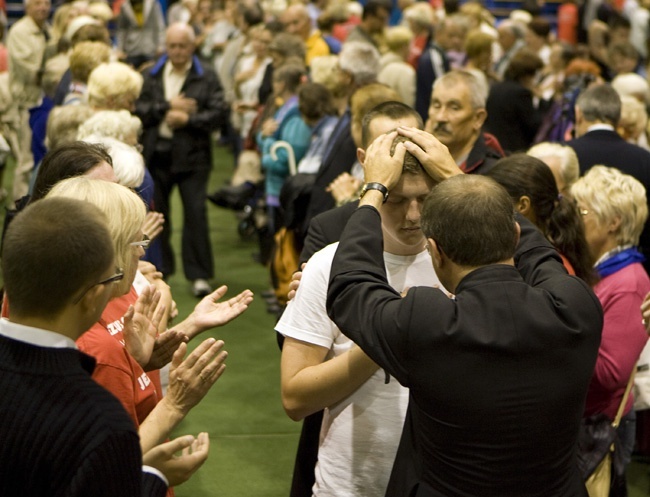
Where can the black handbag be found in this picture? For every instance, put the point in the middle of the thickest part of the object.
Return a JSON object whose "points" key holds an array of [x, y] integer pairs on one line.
{"points": [[597, 443]]}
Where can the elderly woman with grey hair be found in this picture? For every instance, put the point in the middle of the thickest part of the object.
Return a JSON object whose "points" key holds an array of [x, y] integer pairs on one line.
{"points": [[114, 128], [614, 208], [563, 162]]}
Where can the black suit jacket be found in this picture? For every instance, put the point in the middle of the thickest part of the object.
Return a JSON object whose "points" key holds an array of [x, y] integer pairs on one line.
{"points": [[497, 376], [609, 149], [340, 157], [326, 228], [511, 116]]}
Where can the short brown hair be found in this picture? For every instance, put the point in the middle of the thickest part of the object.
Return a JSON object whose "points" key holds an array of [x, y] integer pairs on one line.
{"points": [[392, 110], [52, 250], [524, 63], [411, 163], [315, 101], [472, 220]]}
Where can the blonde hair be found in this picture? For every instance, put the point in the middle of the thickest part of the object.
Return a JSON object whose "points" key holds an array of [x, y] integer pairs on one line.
{"points": [[477, 43], [85, 57], [324, 71], [118, 124], [634, 117], [60, 21], [125, 213], [610, 194], [631, 84], [420, 13], [398, 37], [110, 82], [101, 11], [569, 166]]}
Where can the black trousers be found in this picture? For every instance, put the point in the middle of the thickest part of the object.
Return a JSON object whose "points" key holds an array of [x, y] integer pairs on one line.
{"points": [[196, 252]]}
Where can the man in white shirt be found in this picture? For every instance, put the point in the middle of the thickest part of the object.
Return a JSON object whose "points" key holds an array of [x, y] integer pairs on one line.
{"points": [[59, 268], [323, 369]]}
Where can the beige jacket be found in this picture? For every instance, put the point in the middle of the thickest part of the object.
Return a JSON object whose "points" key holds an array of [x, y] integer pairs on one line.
{"points": [[26, 46]]}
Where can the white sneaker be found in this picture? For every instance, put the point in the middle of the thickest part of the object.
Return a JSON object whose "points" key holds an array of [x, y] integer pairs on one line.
{"points": [[201, 288]]}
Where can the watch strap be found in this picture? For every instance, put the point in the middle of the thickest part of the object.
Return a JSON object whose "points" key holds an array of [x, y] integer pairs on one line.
{"points": [[374, 186]]}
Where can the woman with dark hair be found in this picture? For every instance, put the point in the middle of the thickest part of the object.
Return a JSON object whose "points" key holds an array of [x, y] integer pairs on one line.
{"points": [[70, 160], [533, 190], [512, 115]]}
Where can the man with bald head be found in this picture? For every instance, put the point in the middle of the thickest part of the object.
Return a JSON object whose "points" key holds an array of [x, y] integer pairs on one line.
{"points": [[180, 105], [297, 22]]}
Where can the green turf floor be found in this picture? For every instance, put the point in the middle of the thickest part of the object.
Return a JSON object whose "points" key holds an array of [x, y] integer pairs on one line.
{"points": [[252, 441]]}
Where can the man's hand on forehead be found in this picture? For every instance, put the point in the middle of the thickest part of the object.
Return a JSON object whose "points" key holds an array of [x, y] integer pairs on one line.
{"points": [[379, 165], [432, 154]]}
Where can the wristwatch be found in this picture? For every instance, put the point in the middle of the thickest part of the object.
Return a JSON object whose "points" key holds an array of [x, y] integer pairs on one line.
{"points": [[374, 186]]}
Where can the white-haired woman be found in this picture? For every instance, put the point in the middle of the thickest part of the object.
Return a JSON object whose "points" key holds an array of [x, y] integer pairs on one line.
{"points": [[122, 340], [563, 162], [122, 126], [614, 209]]}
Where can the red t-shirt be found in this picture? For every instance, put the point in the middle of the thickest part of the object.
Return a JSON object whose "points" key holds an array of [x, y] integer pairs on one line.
{"points": [[117, 371]]}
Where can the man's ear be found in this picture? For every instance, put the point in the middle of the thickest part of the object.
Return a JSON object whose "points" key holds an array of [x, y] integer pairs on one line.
{"points": [[92, 299], [361, 155], [517, 233], [480, 115], [578, 114], [437, 254], [524, 205]]}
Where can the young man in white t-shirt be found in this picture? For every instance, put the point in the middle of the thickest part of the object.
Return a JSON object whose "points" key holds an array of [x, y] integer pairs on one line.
{"points": [[323, 369]]}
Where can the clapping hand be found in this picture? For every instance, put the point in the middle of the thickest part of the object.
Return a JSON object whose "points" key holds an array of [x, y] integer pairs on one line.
{"points": [[209, 312], [191, 378], [178, 469], [141, 325]]}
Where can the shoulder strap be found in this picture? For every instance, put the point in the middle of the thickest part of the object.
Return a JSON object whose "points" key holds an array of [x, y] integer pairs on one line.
{"points": [[619, 413]]}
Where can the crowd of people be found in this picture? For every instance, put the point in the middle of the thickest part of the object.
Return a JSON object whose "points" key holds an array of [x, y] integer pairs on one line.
{"points": [[453, 210]]}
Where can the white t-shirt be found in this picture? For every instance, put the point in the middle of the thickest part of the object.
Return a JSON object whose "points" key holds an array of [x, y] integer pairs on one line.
{"points": [[360, 434]]}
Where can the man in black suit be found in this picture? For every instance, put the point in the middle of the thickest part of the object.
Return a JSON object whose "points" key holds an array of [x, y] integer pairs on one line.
{"points": [[598, 110], [490, 370]]}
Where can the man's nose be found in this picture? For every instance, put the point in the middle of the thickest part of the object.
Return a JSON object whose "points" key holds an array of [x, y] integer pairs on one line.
{"points": [[414, 211], [438, 115]]}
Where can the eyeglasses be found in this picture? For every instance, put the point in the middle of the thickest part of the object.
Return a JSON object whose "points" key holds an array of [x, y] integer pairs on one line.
{"points": [[144, 243], [118, 276]]}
